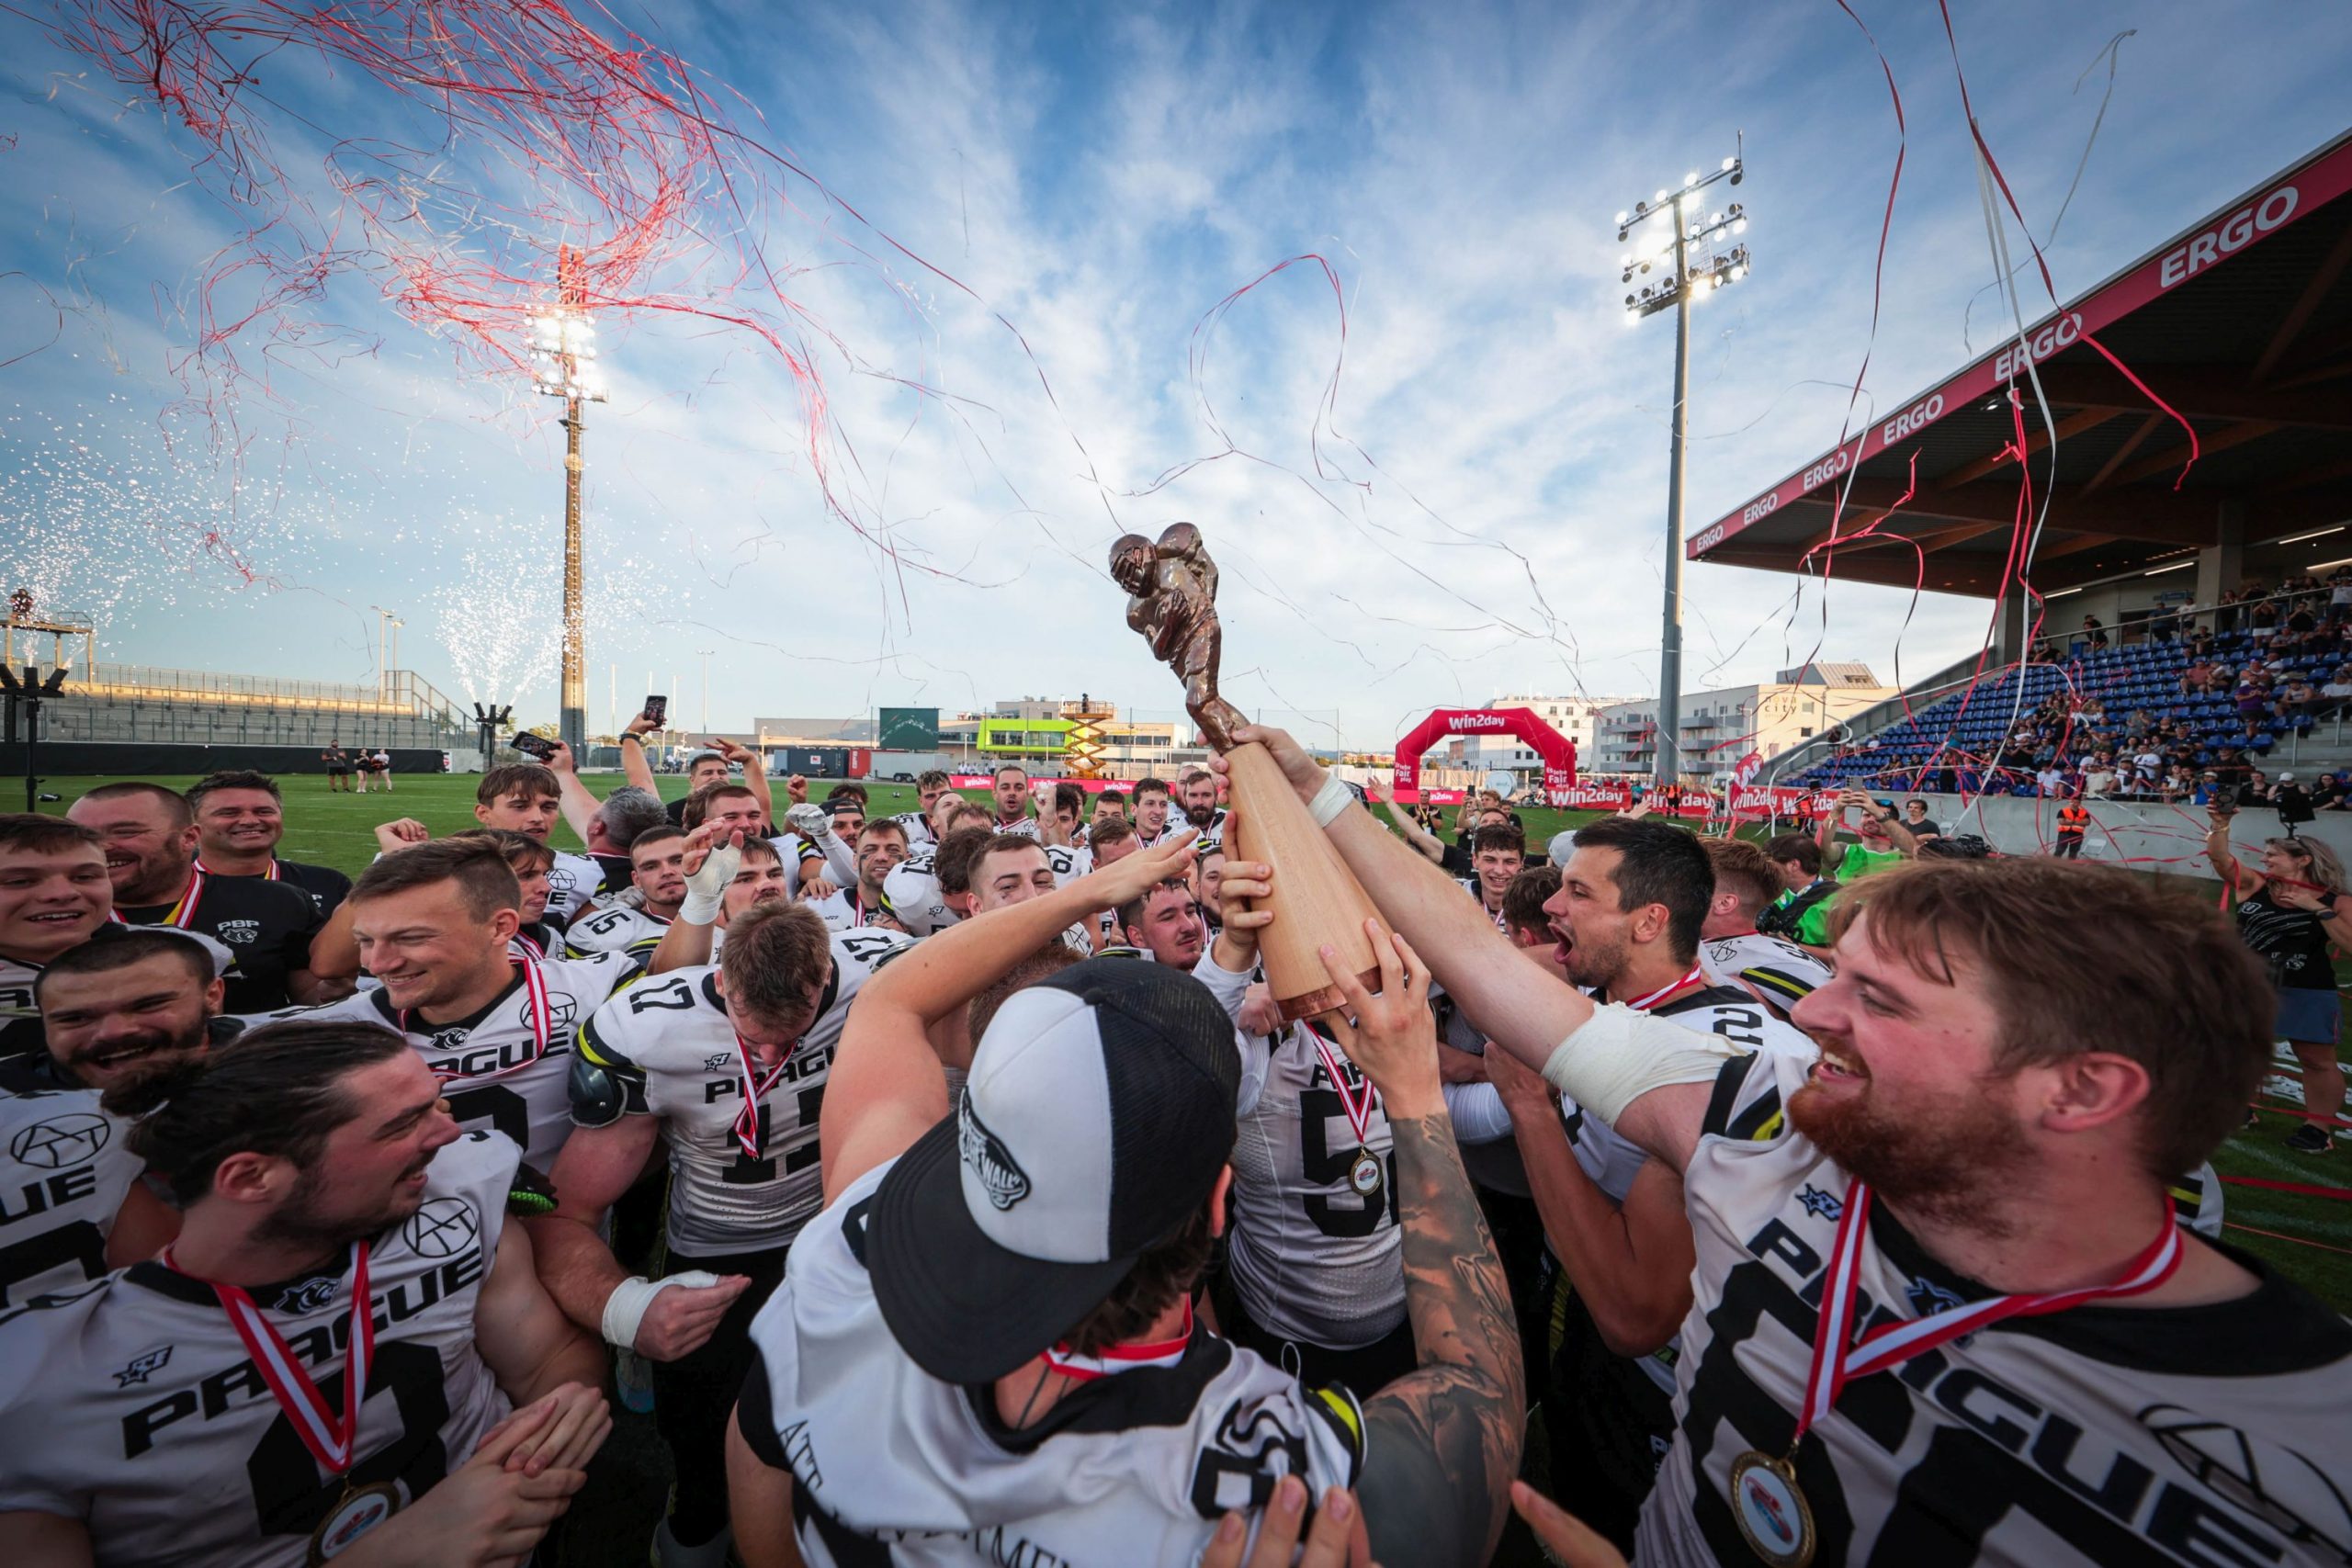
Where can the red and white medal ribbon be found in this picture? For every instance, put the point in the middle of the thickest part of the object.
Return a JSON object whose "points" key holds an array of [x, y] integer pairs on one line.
{"points": [[747, 1121], [1122, 1357], [183, 914], [1642, 1004], [542, 1017], [330, 1440], [1358, 1111], [1837, 1355]]}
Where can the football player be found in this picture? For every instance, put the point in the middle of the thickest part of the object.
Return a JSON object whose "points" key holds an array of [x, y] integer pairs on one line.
{"points": [[1732, 952], [150, 836], [337, 1230], [984, 1348], [110, 1012], [657, 859], [435, 926], [726, 1066]]}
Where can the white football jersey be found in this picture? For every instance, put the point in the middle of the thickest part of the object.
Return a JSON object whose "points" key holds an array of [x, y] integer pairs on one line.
{"points": [[668, 1042], [892, 1467], [486, 1062], [911, 895], [136, 1409], [2104, 1434], [62, 1182], [846, 911], [918, 827], [572, 881], [1611, 1162], [1313, 1256], [1778, 973], [1212, 836], [1069, 862], [611, 929], [1025, 827]]}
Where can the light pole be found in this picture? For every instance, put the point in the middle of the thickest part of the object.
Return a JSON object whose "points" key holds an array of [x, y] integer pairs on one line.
{"points": [[385, 624], [563, 341], [1685, 283], [704, 654]]}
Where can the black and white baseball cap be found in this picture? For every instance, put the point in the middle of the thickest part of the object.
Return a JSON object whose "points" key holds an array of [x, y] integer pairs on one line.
{"points": [[1095, 1123]]}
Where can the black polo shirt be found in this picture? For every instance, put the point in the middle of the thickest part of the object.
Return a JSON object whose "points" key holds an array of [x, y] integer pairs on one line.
{"points": [[266, 927]]}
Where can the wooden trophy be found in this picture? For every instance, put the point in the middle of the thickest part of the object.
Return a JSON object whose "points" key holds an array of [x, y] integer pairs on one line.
{"points": [[1317, 902]]}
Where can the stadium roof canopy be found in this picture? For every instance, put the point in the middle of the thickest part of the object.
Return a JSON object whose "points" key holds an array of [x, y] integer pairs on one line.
{"points": [[2242, 322]]}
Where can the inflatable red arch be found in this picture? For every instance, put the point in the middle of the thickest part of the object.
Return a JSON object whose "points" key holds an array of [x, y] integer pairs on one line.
{"points": [[1559, 753]]}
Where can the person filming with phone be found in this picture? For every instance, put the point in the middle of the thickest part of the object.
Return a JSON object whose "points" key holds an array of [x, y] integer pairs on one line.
{"points": [[2289, 912]]}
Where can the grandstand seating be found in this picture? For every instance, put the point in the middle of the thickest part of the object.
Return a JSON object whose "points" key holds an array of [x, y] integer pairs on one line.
{"points": [[1965, 729]]}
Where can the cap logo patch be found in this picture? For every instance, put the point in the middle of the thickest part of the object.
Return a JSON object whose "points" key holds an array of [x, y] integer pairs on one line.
{"points": [[987, 1157]]}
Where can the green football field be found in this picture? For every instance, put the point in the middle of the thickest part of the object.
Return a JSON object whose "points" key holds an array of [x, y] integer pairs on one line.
{"points": [[2309, 1237]]}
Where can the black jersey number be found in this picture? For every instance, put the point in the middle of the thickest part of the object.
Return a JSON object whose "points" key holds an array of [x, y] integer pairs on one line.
{"points": [[749, 1171], [505, 1111], [1741, 1026], [288, 1497], [674, 995], [1325, 1166], [76, 1243], [869, 948]]}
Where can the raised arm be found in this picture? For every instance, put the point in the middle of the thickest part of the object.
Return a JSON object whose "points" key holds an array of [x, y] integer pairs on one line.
{"points": [[709, 867], [579, 806], [755, 773], [1425, 843], [2234, 877], [1647, 1077], [886, 1087], [634, 766], [1442, 1443]]}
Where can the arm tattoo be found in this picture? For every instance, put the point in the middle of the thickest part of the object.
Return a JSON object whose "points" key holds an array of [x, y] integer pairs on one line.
{"points": [[1444, 1443]]}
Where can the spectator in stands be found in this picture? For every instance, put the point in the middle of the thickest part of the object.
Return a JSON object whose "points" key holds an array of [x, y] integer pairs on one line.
{"points": [[2262, 622], [2194, 677], [1916, 818], [2099, 777], [2051, 782], [2254, 789], [2294, 803], [2094, 633]]}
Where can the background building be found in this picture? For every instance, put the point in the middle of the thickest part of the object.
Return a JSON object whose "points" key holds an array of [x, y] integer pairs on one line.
{"points": [[1720, 728]]}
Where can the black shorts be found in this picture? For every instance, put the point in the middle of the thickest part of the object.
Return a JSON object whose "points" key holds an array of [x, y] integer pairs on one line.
{"points": [[333, 772]]}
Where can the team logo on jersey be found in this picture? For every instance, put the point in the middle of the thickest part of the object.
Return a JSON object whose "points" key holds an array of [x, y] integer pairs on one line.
{"points": [[61, 1140], [560, 1010], [442, 1228], [308, 1295], [1927, 1298], [1821, 1205], [244, 933], [144, 1366], [2283, 1488], [718, 1062], [985, 1156], [450, 1039], [560, 880]]}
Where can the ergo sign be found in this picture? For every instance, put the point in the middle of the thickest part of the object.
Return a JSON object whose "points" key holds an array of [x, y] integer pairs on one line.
{"points": [[2322, 179]]}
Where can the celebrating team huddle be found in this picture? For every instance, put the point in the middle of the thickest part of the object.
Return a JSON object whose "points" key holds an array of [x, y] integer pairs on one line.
{"points": [[960, 1192]]}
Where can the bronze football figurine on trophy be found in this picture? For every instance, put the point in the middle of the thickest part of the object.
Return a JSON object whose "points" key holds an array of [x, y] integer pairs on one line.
{"points": [[1171, 588]]}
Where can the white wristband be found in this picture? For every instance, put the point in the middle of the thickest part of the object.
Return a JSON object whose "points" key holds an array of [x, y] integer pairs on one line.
{"points": [[1331, 800], [625, 1308], [1620, 1055]]}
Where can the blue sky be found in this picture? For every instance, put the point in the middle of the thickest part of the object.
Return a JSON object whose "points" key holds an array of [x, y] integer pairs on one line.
{"points": [[1488, 512]]}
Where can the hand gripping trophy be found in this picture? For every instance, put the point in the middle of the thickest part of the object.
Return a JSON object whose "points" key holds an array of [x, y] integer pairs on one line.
{"points": [[1172, 589]]}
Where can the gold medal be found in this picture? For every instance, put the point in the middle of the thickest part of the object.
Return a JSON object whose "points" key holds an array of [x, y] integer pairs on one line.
{"points": [[1771, 1509], [360, 1509], [1364, 1175]]}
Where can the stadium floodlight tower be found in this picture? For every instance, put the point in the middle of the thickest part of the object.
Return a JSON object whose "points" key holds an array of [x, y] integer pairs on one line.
{"points": [[563, 346], [1692, 270]]}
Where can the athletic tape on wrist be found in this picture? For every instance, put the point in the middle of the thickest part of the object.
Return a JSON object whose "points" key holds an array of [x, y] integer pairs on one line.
{"points": [[1620, 1055], [700, 909], [625, 1308], [1330, 801]]}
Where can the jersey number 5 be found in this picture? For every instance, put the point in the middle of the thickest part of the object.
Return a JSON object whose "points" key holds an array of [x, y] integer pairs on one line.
{"points": [[1325, 1167]]}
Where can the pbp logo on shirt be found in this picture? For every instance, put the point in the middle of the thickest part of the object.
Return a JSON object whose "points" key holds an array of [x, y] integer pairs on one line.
{"points": [[243, 934]]}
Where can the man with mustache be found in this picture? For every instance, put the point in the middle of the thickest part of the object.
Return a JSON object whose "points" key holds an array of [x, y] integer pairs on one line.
{"points": [[1966, 1191], [110, 1010], [150, 838]]}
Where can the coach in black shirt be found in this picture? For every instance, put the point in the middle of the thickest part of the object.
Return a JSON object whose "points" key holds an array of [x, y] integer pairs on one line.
{"points": [[240, 817], [150, 838]]}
